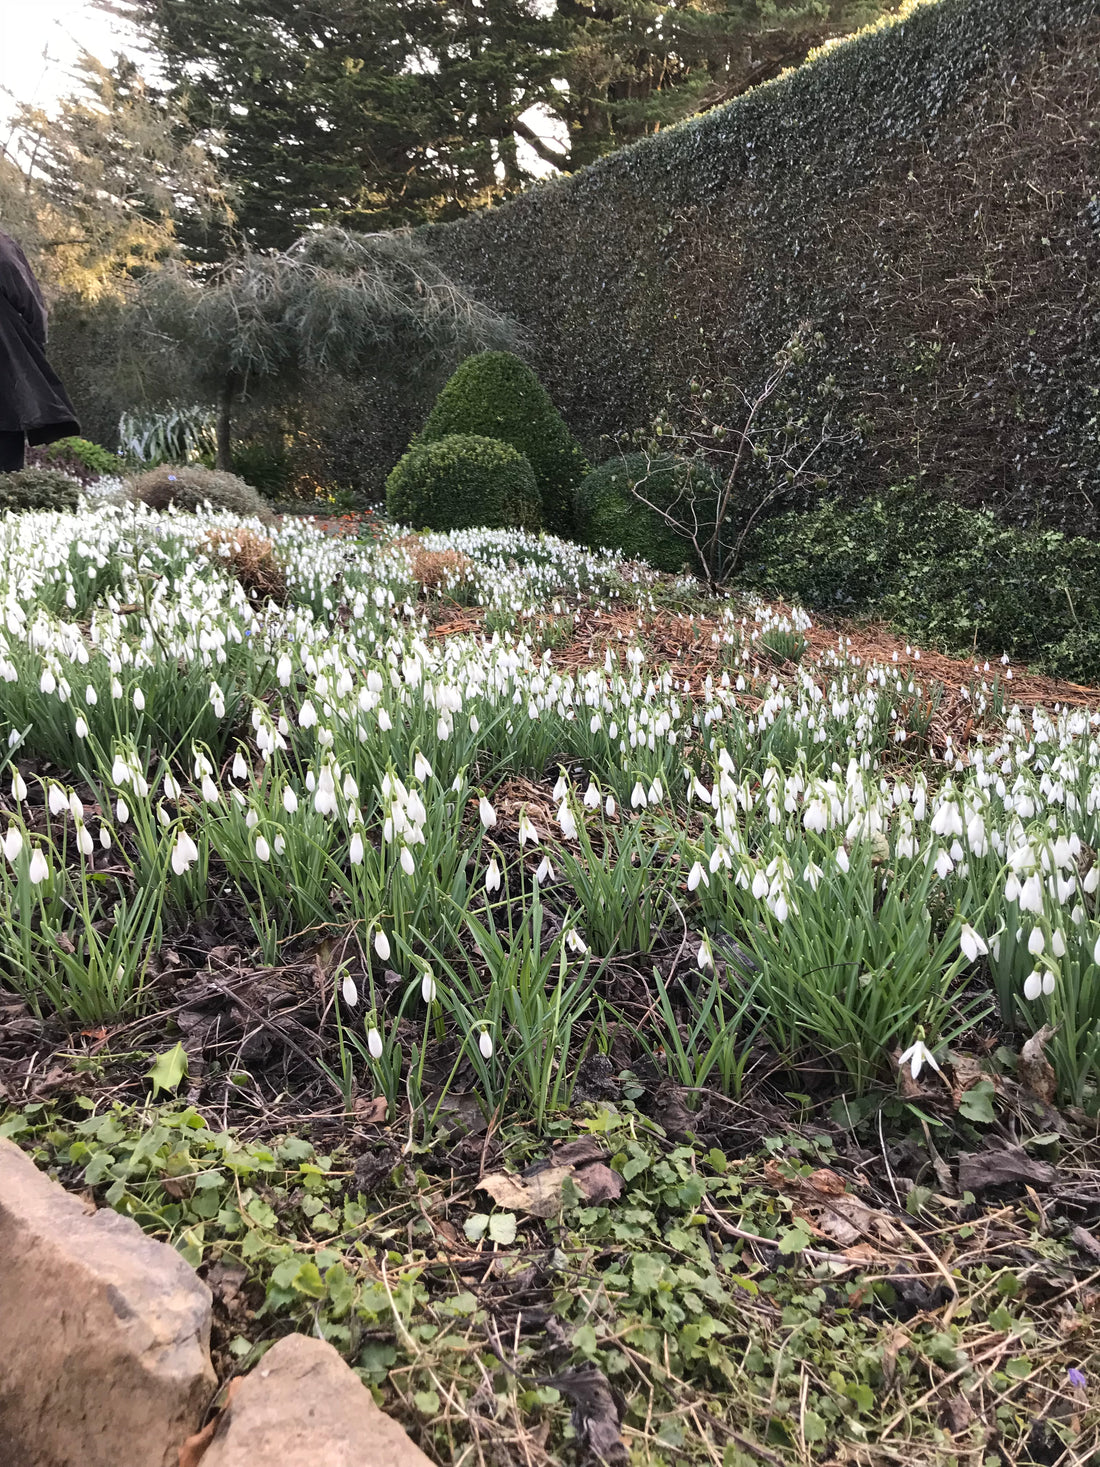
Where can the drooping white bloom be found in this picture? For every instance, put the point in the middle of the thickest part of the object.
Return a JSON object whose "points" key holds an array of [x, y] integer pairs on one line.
{"points": [[355, 849], [80, 728], [485, 1044], [916, 1057], [427, 986], [842, 859], [574, 941], [184, 853], [39, 869], [972, 943], [1058, 943], [240, 768], [408, 865], [422, 770], [609, 807], [374, 1043], [57, 799], [263, 850], [348, 991], [18, 786], [382, 945], [760, 886], [544, 871], [139, 700], [591, 797], [1033, 985], [486, 813], [307, 715], [696, 875], [637, 796], [567, 822], [324, 796], [492, 876], [703, 956], [1036, 943], [13, 844], [526, 831]]}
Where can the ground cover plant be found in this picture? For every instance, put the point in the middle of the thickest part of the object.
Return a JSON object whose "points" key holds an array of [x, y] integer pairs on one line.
{"points": [[630, 1023]]}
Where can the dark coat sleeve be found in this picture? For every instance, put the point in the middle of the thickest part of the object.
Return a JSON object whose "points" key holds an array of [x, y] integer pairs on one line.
{"points": [[32, 399], [20, 289]]}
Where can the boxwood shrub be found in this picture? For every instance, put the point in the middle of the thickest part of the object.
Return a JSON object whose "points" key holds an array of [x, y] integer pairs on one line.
{"points": [[495, 395], [463, 480], [38, 489], [609, 514]]}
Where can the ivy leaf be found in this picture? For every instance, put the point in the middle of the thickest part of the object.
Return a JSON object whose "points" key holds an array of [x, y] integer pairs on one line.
{"points": [[168, 1070], [977, 1103], [502, 1228]]}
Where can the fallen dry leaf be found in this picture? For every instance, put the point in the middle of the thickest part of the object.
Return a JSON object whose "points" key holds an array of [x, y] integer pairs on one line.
{"points": [[370, 1112], [1035, 1070], [596, 1414], [997, 1167], [823, 1200], [538, 1192]]}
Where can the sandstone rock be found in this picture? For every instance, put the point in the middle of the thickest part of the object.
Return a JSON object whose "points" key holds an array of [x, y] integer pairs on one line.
{"points": [[303, 1407], [104, 1333]]}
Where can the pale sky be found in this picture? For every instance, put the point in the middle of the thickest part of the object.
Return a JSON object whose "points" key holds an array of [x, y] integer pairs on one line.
{"points": [[39, 43]]}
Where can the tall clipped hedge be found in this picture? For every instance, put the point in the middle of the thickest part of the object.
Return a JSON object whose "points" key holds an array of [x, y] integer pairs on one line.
{"points": [[925, 193], [494, 395]]}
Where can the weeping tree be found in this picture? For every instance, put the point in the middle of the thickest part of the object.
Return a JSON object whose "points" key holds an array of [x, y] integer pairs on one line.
{"points": [[268, 327]]}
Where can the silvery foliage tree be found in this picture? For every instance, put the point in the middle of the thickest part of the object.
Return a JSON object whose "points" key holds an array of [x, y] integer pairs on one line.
{"points": [[267, 326], [741, 450]]}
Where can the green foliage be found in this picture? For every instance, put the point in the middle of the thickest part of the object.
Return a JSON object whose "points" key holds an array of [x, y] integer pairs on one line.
{"points": [[609, 513], [463, 480], [954, 577], [189, 487], [78, 457], [495, 395], [698, 248], [38, 489]]}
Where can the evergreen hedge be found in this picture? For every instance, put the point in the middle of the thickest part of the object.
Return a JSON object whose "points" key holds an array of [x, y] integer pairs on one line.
{"points": [[608, 513], [495, 395], [34, 488], [463, 480], [925, 193]]}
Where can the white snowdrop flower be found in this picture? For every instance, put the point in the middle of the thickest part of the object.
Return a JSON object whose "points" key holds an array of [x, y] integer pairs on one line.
{"points": [[408, 865], [240, 768], [355, 849], [575, 942], [759, 886], [427, 986], [485, 1044], [475, 724], [263, 850], [209, 790], [1031, 895], [18, 786], [944, 865], [493, 876], [84, 843], [1048, 984], [171, 788], [1096, 953], [116, 689], [544, 871], [13, 845], [348, 991], [290, 800], [422, 770], [307, 715], [842, 859], [972, 943], [91, 697], [283, 669], [526, 831], [816, 816], [781, 909], [1036, 943], [1012, 888], [696, 875], [279, 843], [916, 1057], [47, 683], [637, 797], [80, 728], [385, 723], [57, 799], [251, 819], [382, 945], [567, 822], [1058, 943], [1092, 879], [105, 837], [184, 853], [591, 797], [560, 790], [703, 957], [39, 868], [350, 788], [1033, 985], [122, 810], [609, 807], [374, 1043], [324, 798], [139, 700], [76, 809], [486, 813]]}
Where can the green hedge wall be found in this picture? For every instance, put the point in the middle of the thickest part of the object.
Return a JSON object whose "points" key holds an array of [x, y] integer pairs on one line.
{"points": [[926, 193]]}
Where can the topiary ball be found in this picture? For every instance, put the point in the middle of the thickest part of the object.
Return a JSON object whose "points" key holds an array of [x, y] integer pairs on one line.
{"points": [[495, 395], [610, 516], [38, 489], [461, 481], [189, 487]]}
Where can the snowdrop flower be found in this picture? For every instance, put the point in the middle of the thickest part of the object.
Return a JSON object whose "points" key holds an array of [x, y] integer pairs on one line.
{"points": [[560, 790], [324, 798], [307, 715], [184, 853], [13, 844], [139, 700], [18, 786], [39, 869], [696, 875], [591, 797], [609, 807], [1031, 895], [1033, 985], [422, 770], [80, 728], [240, 768], [1058, 943], [57, 799], [703, 957], [812, 875], [916, 1057], [290, 800], [209, 790], [408, 865], [374, 1043], [842, 859], [492, 876], [759, 886], [122, 810], [575, 942], [355, 849], [972, 943], [263, 850], [567, 821], [527, 831], [382, 945], [486, 813], [1036, 943], [427, 986], [485, 1044], [545, 871], [348, 991]]}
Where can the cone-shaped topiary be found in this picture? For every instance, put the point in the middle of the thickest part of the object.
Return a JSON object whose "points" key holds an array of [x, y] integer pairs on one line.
{"points": [[609, 515], [188, 487], [496, 395], [463, 480]]}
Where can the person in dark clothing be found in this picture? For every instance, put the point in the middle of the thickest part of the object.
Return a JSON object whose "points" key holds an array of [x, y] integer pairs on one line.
{"points": [[34, 407]]}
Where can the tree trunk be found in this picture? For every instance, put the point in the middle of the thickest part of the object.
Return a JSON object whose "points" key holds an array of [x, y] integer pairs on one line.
{"points": [[224, 459]]}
